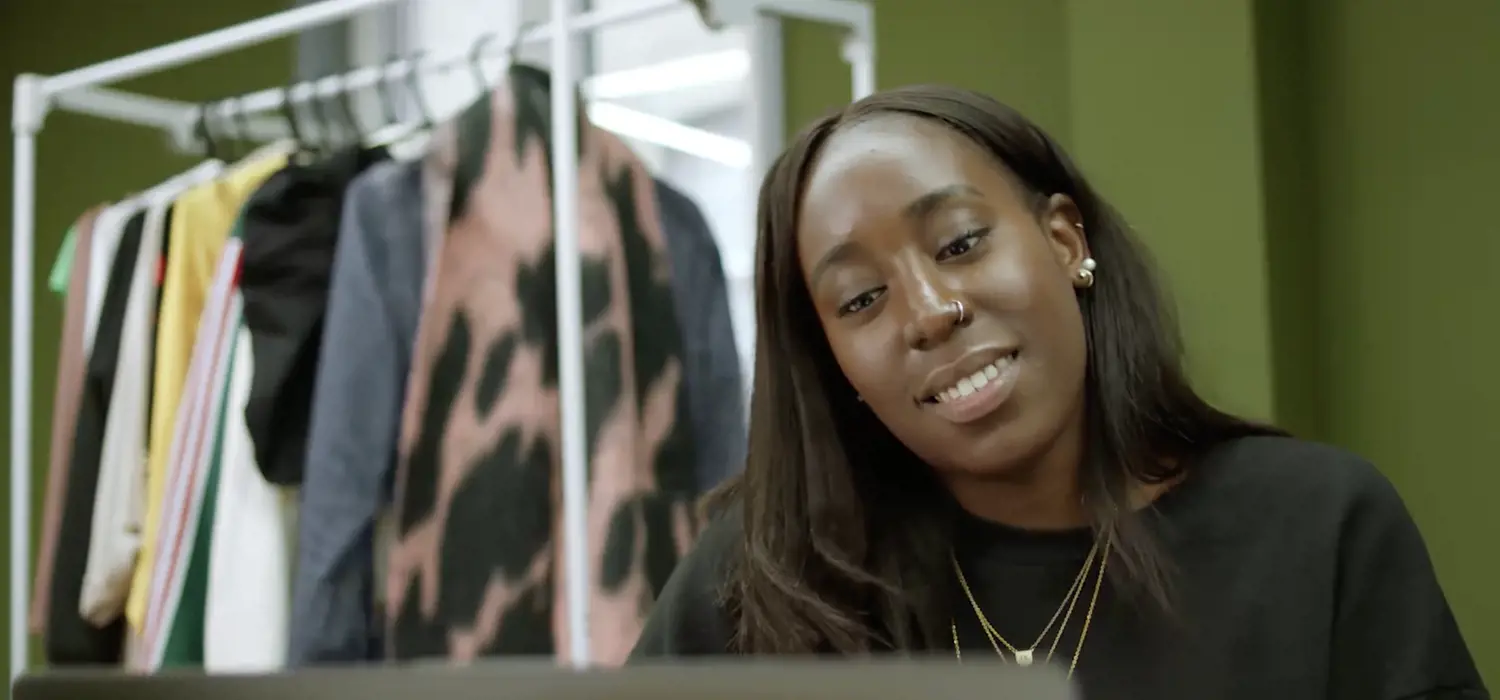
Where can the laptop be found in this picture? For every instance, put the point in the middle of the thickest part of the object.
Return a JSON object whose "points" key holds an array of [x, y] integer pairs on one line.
{"points": [[508, 680]]}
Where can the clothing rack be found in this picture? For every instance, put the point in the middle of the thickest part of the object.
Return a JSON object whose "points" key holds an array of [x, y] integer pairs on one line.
{"points": [[181, 121], [82, 91]]}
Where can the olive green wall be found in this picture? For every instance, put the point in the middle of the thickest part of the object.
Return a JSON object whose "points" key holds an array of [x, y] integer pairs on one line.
{"points": [[82, 160], [1172, 141], [1405, 147], [1312, 176]]}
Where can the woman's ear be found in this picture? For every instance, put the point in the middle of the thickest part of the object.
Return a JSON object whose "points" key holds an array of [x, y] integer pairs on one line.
{"points": [[1063, 225]]}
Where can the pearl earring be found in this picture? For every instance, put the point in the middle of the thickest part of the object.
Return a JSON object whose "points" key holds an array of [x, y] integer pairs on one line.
{"points": [[1086, 273]]}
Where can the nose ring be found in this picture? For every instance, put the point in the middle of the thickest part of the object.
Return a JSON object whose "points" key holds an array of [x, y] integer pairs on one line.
{"points": [[961, 312]]}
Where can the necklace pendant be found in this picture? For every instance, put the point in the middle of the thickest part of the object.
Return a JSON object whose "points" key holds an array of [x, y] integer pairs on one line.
{"points": [[1023, 657]]}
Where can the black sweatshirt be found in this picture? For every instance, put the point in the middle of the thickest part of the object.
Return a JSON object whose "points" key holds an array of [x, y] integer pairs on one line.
{"points": [[1297, 574]]}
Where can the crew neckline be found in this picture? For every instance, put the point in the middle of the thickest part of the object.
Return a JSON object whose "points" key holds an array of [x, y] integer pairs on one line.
{"points": [[977, 536]]}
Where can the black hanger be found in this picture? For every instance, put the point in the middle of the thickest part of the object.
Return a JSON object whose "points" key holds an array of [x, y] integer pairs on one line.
{"points": [[326, 129], [289, 113], [413, 81], [346, 107], [476, 62], [389, 110], [228, 132], [520, 40], [706, 15], [247, 136], [218, 127], [205, 133]]}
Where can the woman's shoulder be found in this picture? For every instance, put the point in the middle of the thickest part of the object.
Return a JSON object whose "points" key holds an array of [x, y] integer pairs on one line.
{"points": [[710, 562], [1293, 470], [691, 616], [1285, 505], [1290, 495]]}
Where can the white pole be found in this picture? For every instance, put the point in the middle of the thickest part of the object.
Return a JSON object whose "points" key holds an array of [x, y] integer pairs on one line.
{"points": [[571, 395], [860, 53], [23, 201], [767, 95], [213, 43]]}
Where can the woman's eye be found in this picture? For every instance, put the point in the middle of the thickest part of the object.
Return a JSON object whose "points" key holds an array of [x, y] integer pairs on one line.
{"points": [[962, 244], [860, 302]]}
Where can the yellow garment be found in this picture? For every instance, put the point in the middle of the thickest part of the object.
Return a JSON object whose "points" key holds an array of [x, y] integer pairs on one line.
{"points": [[202, 219]]}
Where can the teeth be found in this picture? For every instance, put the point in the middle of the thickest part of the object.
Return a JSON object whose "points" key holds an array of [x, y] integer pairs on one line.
{"points": [[974, 382]]}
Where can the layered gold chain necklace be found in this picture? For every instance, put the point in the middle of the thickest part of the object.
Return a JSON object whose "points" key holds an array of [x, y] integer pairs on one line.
{"points": [[1025, 657]]}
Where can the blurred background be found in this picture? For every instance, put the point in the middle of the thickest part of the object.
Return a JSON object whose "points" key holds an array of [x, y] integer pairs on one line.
{"points": [[1316, 177]]}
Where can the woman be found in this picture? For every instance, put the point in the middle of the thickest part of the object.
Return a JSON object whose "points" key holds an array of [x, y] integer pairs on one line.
{"points": [[971, 436]]}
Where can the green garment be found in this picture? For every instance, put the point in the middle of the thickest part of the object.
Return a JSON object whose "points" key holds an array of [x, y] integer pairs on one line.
{"points": [[62, 266]]}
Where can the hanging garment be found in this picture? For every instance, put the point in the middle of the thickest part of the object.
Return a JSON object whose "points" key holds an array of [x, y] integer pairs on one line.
{"points": [[201, 222], [171, 633], [373, 304], [62, 264], [710, 358], [119, 500], [71, 363], [371, 327], [291, 227], [247, 604], [109, 229], [71, 640], [477, 569]]}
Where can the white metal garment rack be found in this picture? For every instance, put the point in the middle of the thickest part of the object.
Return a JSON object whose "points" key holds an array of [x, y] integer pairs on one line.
{"points": [[83, 91]]}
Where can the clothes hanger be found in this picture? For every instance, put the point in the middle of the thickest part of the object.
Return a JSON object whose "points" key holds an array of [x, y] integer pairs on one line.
{"points": [[389, 110], [235, 133], [241, 114], [706, 15], [289, 113], [402, 139], [312, 146], [217, 126], [394, 128], [476, 62], [228, 129], [519, 40], [204, 132], [347, 112], [327, 132], [418, 97]]}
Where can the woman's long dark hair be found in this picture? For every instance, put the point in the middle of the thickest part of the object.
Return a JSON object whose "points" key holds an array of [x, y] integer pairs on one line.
{"points": [[846, 533]]}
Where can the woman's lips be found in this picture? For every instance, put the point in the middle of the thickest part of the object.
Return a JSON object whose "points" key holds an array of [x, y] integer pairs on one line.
{"points": [[979, 394]]}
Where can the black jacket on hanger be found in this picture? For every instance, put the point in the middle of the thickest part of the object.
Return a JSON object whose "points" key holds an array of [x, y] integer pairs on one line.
{"points": [[290, 228]]}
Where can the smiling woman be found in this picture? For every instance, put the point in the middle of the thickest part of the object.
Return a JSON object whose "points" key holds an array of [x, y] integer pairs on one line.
{"points": [[971, 432]]}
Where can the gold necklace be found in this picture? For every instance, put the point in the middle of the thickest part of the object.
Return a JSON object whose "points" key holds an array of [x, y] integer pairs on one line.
{"points": [[1024, 657]]}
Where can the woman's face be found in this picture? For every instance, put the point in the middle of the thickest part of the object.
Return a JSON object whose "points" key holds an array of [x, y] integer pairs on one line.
{"points": [[902, 221]]}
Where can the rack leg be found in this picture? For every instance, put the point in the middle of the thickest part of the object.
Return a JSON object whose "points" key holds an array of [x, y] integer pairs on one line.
{"points": [[575, 486], [767, 95], [23, 212], [860, 54]]}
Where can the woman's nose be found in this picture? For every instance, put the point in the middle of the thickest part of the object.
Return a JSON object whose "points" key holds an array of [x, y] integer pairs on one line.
{"points": [[935, 313]]}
